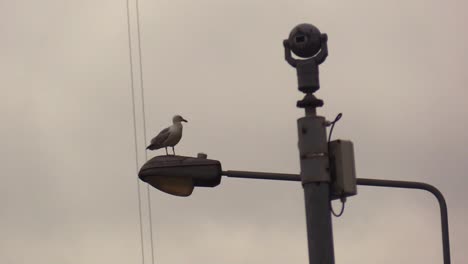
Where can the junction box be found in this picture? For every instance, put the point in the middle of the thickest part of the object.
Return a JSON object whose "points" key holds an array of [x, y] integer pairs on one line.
{"points": [[342, 169]]}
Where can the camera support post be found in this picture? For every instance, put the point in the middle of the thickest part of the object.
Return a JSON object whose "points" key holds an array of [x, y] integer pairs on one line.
{"points": [[327, 170], [305, 40]]}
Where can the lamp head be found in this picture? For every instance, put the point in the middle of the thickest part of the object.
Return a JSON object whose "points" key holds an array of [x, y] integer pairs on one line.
{"points": [[178, 175]]}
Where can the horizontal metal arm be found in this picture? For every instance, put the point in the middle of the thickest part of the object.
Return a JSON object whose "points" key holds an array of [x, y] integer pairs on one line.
{"points": [[262, 175], [367, 182]]}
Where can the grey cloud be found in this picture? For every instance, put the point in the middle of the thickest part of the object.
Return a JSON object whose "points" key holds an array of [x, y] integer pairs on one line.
{"points": [[68, 194]]}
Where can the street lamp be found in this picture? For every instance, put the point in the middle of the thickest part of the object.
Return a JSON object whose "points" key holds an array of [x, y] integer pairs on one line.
{"points": [[178, 175], [327, 167]]}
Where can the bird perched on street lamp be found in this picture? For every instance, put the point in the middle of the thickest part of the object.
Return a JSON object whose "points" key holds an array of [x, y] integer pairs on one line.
{"points": [[168, 137]]}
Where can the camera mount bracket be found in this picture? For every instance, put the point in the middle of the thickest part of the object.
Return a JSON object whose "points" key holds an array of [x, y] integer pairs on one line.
{"points": [[309, 101]]}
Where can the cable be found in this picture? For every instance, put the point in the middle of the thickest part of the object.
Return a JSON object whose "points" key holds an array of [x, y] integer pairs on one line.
{"points": [[143, 108], [337, 118], [141, 74], [135, 129], [342, 199], [343, 202], [144, 124]]}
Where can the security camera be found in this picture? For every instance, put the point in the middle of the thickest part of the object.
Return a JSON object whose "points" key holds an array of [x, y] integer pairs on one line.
{"points": [[306, 41]]}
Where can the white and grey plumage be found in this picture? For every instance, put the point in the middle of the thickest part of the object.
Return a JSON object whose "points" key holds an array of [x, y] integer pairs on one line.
{"points": [[168, 137]]}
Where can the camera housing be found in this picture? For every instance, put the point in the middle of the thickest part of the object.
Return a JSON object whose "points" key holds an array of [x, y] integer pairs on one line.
{"points": [[305, 40]]}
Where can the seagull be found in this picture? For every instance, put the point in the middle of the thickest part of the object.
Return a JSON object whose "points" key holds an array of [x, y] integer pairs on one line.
{"points": [[168, 137]]}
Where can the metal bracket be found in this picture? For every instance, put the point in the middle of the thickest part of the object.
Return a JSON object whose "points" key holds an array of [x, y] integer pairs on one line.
{"points": [[313, 149]]}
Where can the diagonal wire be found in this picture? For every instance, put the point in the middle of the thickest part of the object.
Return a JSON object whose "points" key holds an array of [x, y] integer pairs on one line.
{"points": [[135, 128], [144, 123]]}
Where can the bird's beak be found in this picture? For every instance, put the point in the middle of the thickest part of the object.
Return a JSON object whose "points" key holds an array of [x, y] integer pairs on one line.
{"points": [[183, 120]]}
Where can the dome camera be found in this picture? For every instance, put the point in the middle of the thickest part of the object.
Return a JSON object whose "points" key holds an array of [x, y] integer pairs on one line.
{"points": [[305, 40]]}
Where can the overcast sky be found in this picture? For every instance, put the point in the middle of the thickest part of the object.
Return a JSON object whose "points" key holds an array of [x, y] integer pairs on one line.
{"points": [[68, 192]]}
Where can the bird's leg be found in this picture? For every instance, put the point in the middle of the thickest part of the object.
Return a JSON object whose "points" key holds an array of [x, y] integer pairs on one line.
{"points": [[167, 154], [173, 151]]}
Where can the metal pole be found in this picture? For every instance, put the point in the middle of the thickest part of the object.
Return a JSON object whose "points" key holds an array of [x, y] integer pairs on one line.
{"points": [[306, 41], [315, 179]]}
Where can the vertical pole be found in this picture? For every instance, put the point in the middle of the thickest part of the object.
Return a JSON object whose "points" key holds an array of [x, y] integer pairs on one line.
{"points": [[315, 177]]}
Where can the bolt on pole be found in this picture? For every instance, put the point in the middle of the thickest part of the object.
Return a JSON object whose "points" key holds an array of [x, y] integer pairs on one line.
{"points": [[306, 41]]}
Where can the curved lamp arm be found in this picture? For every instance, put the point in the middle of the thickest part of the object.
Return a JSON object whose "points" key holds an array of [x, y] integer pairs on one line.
{"points": [[426, 187], [368, 182]]}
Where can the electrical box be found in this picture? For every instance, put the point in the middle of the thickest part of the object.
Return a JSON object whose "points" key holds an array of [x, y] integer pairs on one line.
{"points": [[342, 169]]}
